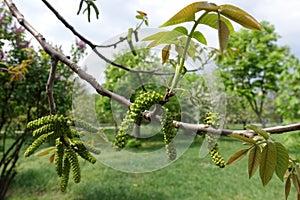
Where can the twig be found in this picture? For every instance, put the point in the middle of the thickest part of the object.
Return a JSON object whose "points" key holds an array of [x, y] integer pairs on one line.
{"points": [[49, 85]]}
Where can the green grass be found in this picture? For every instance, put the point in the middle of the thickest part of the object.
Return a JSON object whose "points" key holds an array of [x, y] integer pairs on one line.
{"points": [[187, 178]]}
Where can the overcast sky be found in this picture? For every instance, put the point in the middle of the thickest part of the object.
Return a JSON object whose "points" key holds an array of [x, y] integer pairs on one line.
{"points": [[118, 15]]}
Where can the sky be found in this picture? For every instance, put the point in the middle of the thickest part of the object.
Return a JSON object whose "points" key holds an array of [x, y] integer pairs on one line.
{"points": [[116, 16]]}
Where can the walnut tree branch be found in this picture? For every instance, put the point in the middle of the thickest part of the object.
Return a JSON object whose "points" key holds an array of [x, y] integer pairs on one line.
{"points": [[49, 85]]}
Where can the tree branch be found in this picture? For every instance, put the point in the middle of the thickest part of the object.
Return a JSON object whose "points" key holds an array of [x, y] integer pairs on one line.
{"points": [[49, 85]]}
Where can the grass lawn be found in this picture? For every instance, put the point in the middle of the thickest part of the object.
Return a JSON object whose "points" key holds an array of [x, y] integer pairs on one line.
{"points": [[187, 178]]}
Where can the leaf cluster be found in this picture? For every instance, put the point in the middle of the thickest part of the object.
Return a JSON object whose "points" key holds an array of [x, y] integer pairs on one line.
{"points": [[217, 17], [265, 153]]}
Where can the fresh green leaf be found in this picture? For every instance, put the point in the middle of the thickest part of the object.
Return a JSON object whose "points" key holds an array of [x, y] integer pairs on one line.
{"points": [[181, 29], [240, 16], [192, 49], [287, 187], [165, 53], [298, 171], [223, 33], [164, 37], [155, 36], [296, 182], [45, 151], [187, 14], [199, 37], [282, 160], [268, 162], [139, 17], [211, 20], [242, 138], [254, 160], [237, 156], [259, 131]]}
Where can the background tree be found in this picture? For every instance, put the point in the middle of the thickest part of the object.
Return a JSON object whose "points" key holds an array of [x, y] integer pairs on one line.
{"points": [[252, 69], [23, 77]]}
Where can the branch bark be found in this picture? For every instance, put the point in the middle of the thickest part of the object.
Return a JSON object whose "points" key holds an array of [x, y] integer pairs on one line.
{"points": [[49, 85]]}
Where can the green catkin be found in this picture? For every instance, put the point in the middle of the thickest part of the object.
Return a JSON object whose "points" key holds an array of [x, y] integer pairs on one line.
{"points": [[122, 135], [211, 139], [141, 103], [79, 123], [217, 157], [35, 124], [37, 143], [65, 174], [92, 148], [83, 152], [43, 130], [169, 134], [73, 159], [59, 154]]}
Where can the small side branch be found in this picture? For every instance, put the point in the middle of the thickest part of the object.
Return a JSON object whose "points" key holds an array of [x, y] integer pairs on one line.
{"points": [[49, 85]]}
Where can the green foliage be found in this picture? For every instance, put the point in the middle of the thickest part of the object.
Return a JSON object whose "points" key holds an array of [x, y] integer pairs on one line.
{"points": [[287, 101], [187, 14], [264, 154], [252, 68]]}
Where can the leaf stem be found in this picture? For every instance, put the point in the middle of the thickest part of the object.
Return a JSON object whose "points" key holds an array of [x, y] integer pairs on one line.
{"points": [[180, 67]]}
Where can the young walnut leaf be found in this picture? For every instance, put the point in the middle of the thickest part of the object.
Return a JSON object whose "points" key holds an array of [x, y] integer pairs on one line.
{"points": [[259, 131], [282, 160], [242, 138], [237, 156], [45, 151], [199, 37], [254, 160], [296, 182], [165, 53], [240, 16], [223, 33], [187, 14], [268, 162], [211, 20], [287, 187]]}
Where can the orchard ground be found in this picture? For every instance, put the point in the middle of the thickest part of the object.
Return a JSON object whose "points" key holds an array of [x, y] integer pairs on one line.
{"points": [[187, 178]]}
